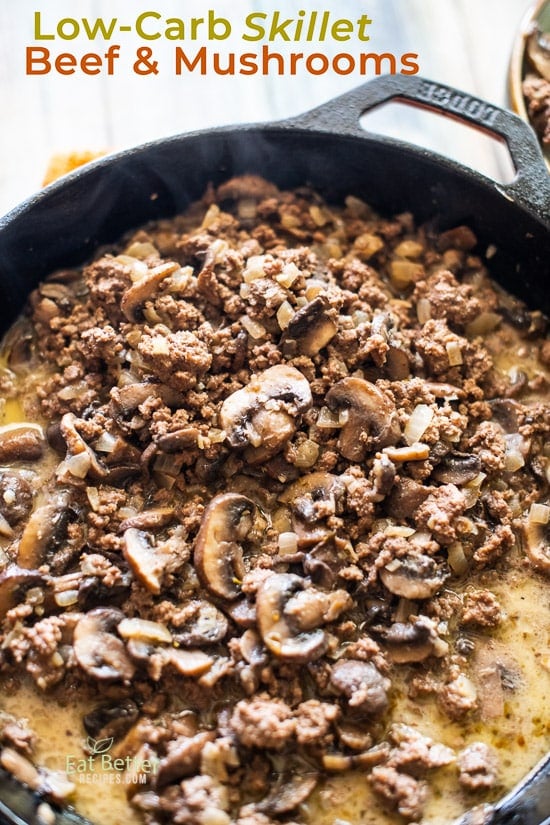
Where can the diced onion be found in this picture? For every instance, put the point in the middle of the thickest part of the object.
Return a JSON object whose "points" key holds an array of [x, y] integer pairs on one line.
{"points": [[419, 421], [93, 497], [254, 329], [5, 529], [457, 558], [105, 443], [539, 513], [144, 629], [328, 420], [307, 454], [66, 598], [409, 249], [399, 531], [72, 391], [404, 273], [212, 213], [513, 459], [78, 465], [254, 268], [484, 323], [284, 315], [289, 274], [141, 250], [423, 310], [454, 354], [320, 217], [287, 543]]}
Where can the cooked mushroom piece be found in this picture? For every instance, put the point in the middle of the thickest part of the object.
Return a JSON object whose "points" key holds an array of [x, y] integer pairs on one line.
{"points": [[144, 289], [312, 498], [280, 631], [457, 468], [15, 497], [113, 719], [148, 564], [415, 576], [21, 442], [263, 414], [506, 413], [537, 545], [411, 642], [218, 553], [310, 328], [205, 625], [97, 650], [45, 530], [81, 460], [362, 683], [372, 417], [289, 792], [14, 580]]}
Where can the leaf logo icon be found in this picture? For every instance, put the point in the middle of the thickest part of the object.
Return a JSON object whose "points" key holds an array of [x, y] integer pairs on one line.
{"points": [[99, 745]]}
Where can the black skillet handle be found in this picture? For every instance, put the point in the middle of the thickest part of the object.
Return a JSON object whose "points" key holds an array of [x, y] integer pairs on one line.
{"points": [[530, 187]]}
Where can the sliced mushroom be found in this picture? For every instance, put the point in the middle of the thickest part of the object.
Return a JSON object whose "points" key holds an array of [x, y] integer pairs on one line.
{"points": [[113, 719], [136, 295], [362, 683], [537, 545], [309, 608], [45, 530], [13, 580], [289, 792], [178, 440], [314, 496], [183, 758], [100, 653], [263, 414], [150, 519], [506, 413], [310, 329], [21, 442], [279, 631], [146, 563], [81, 460], [372, 419], [218, 553], [457, 468], [412, 641], [405, 498], [15, 497], [205, 625], [416, 576]]}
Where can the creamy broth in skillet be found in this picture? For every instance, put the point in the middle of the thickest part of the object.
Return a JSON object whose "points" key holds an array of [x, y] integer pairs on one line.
{"points": [[273, 523]]}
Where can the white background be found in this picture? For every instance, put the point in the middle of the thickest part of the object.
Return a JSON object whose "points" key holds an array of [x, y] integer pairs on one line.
{"points": [[466, 43]]}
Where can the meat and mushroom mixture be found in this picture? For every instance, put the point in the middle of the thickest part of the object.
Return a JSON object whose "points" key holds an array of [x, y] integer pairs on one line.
{"points": [[273, 504]]}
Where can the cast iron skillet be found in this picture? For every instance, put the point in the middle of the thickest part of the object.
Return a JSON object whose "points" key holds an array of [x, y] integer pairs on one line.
{"points": [[328, 149]]}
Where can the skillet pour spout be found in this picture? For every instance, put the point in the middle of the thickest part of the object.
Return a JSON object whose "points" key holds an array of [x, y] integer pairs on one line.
{"points": [[328, 149]]}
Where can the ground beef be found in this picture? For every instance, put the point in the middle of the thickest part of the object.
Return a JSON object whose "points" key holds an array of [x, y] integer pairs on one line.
{"points": [[481, 607], [402, 792], [263, 723], [439, 512], [478, 767]]}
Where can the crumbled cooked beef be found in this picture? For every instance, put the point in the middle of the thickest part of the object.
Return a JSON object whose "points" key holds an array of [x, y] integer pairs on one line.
{"points": [[478, 766], [263, 723], [481, 607], [403, 792], [327, 374]]}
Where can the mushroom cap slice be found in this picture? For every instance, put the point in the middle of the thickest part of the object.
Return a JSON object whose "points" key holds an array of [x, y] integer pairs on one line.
{"points": [[21, 442], [143, 290], [98, 651], [310, 328], [218, 554], [278, 630], [12, 579], [281, 390], [411, 641], [457, 468], [372, 420], [537, 546], [416, 576]]}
